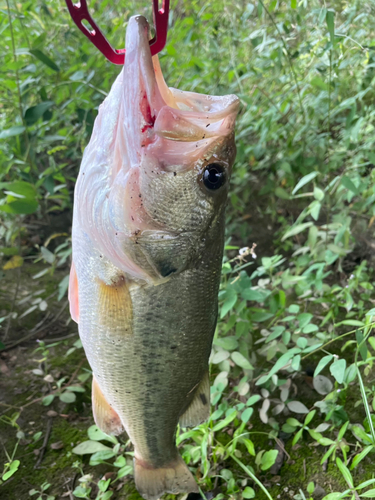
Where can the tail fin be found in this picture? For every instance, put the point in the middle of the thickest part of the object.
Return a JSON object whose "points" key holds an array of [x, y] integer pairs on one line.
{"points": [[153, 482]]}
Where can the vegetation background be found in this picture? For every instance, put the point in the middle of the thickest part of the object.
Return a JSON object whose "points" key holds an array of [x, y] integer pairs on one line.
{"points": [[293, 387]]}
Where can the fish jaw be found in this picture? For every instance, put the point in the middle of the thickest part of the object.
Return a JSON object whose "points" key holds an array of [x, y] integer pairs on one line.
{"points": [[183, 124], [141, 95]]}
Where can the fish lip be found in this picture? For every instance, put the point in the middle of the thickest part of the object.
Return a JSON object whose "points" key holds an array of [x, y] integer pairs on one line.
{"points": [[139, 61], [137, 46]]}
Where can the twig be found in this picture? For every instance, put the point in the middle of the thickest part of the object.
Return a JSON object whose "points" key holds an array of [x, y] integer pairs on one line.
{"points": [[23, 339], [9, 406], [282, 447], [74, 481], [69, 491], [60, 339], [76, 372], [12, 305], [34, 332], [59, 313], [31, 395], [56, 390], [288, 57], [44, 445], [20, 107], [41, 322], [269, 98]]}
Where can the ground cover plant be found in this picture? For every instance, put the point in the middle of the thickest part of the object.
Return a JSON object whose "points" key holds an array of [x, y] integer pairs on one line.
{"points": [[293, 393]]}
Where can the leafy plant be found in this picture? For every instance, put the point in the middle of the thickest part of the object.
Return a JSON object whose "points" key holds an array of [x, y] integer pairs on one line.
{"points": [[294, 348]]}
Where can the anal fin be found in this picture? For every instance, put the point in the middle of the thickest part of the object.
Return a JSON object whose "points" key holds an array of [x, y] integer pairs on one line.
{"points": [[105, 416], [199, 409]]}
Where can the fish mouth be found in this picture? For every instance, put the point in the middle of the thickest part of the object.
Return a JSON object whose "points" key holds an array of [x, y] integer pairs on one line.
{"points": [[157, 113], [141, 96]]}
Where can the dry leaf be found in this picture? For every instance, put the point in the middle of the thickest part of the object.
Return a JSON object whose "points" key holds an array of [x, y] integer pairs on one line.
{"points": [[3, 368], [278, 409], [57, 446], [263, 411], [13, 263]]}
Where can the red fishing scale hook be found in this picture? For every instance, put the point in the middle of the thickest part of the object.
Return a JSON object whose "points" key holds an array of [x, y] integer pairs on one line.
{"points": [[79, 12]]}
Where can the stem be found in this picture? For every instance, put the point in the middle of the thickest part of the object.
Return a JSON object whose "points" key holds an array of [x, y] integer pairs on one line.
{"points": [[363, 392], [328, 199], [338, 338], [365, 403], [15, 449], [200, 491], [248, 434], [7, 328], [352, 39], [254, 478], [288, 58], [16, 289], [283, 115], [329, 98], [20, 20], [17, 75]]}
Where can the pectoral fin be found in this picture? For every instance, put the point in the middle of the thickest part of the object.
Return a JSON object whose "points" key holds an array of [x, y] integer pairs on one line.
{"points": [[73, 294], [199, 409], [105, 416]]}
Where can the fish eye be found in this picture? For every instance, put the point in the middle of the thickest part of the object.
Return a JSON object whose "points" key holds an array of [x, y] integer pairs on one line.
{"points": [[214, 176]]}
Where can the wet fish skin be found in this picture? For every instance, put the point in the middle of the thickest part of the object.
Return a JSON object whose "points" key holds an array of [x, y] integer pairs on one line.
{"points": [[148, 239]]}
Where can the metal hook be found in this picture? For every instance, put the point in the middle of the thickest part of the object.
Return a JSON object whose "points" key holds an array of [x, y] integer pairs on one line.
{"points": [[79, 12]]}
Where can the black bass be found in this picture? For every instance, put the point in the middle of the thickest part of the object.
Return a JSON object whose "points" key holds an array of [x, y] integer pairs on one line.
{"points": [[148, 236]]}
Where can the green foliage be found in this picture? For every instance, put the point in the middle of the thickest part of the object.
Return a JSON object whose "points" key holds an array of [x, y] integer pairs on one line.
{"points": [[42, 495], [100, 454], [304, 180]]}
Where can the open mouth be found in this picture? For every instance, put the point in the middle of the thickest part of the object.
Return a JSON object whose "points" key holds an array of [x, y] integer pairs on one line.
{"points": [[143, 131], [159, 111]]}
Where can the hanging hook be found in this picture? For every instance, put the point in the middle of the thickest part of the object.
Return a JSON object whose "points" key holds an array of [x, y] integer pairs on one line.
{"points": [[79, 12]]}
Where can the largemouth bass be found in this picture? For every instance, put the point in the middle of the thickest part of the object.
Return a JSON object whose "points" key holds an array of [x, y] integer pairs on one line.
{"points": [[148, 236]]}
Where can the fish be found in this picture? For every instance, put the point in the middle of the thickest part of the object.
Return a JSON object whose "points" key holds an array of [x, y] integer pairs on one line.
{"points": [[147, 238]]}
